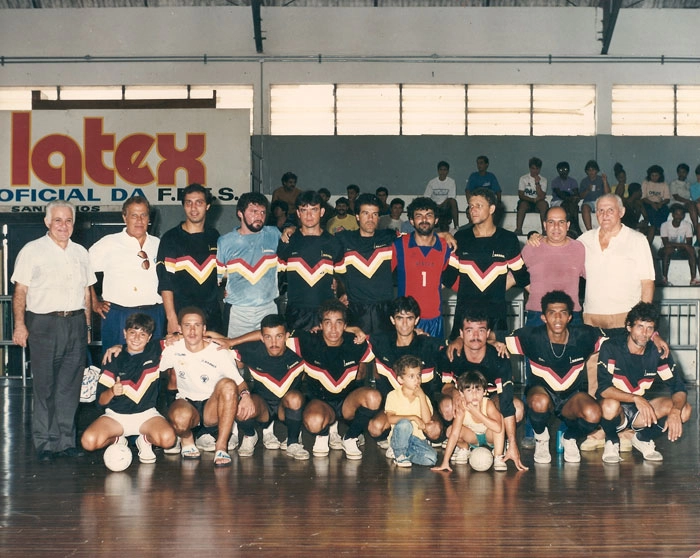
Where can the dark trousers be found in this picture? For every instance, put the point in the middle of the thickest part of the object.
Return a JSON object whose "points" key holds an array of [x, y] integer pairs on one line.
{"points": [[58, 348]]}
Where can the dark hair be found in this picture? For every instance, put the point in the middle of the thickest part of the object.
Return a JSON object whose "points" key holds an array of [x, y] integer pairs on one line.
{"points": [[697, 169], [136, 200], [657, 169], [287, 175], [563, 164], [642, 312], [382, 189], [422, 203], [633, 188], [367, 199], [677, 207], [191, 310], [353, 187], [332, 305], [283, 205], [397, 200], [485, 193], [535, 162], [406, 304], [252, 198], [405, 362], [473, 378], [194, 187], [618, 168], [325, 191], [592, 164], [557, 297], [484, 158], [476, 315], [443, 164], [272, 321], [310, 197], [342, 199], [683, 166], [141, 321]]}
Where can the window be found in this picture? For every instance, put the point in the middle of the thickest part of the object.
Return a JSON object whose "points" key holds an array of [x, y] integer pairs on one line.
{"points": [[498, 110], [642, 110], [433, 109], [688, 110], [367, 110], [302, 110], [227, 97], [563, 110]]}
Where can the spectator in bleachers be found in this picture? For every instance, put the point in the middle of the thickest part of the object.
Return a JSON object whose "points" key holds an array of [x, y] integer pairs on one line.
{"points": [[635, 216], [382, 194], [655, 196], [482, 178], [680, 192], [279, 211], [677, 237], [621, 188], [443, 191], [695, 190], [565, 195], [288, 192], [353, 191], [591, 188], [393, 221], [329, 211], [343, 220], [532, 190]]}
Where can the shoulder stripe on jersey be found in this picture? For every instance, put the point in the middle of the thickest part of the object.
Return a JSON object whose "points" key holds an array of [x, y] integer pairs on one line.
{"points": [[279, 388], [311, 275], [251, 273], [553, 380], [187, 264], [329, 384], [367, 267], [133, 390]]}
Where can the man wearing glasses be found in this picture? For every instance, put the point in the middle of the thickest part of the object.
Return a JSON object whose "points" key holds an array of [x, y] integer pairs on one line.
{"points": [[127, 260]]}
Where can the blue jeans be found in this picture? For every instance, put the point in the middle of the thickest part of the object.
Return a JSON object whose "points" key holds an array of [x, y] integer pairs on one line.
{"points": [[403, 442]]}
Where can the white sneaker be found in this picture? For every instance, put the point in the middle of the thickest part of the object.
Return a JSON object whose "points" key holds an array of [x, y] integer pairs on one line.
{"points": [[145, 448], [383, 444], [321, 448], [542, 454], [647, 449], [390, 453], [460, 455], [336, 441], [402, 461], [175, 449], [121, 441], [350, 448], [297, 451], [361, 440], [571, 452], [270, 441], [611, 452], [233, 440], [206, 442], [248, 445], [499, 464], [285, 442]]}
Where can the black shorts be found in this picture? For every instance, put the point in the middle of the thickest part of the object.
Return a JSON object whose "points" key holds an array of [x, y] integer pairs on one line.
{"points": [[370, 318], [199, 406], [301, 319], [558, 401], [629, 413]]}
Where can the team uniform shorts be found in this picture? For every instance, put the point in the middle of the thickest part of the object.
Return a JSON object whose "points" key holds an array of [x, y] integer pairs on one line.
{"points": [[558, 401], [131, 423]]}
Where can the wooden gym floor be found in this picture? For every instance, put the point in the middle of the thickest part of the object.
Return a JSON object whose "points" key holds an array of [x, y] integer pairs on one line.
{"points": [[271, 505]]}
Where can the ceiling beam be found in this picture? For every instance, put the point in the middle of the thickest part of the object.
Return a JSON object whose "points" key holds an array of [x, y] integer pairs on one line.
{"points": [[257, 25], [611, 9]]}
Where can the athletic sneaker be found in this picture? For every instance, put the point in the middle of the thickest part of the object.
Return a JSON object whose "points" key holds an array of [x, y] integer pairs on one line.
{"points": [[592, 444], [499, 464], [320, 448], [122, 441], [611, 453], [390, 453], [283, 443], [460, 455], [145, 448], [443, 444], [402, 461], [542, 454], [206, 442], [383, 444], [625, 444], [336, 441], [647, 449], [233, 440], [350, 448], [175, 449], [571, 453], [248, 445], [270, 441], [297, 451]]}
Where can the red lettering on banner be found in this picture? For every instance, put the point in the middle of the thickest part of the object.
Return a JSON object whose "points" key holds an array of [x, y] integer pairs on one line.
{"points": [[130, 156]]}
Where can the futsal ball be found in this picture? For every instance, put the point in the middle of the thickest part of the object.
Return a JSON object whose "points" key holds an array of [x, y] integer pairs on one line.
{"points": [[117, 457], [481, 459]]}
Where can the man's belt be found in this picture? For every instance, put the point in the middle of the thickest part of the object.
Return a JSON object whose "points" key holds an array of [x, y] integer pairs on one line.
{"points": [[65, 313]]}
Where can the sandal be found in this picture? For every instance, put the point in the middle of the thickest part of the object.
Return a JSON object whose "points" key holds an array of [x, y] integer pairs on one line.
{"points": [[190, 452], [694, 282], [222, 459]]}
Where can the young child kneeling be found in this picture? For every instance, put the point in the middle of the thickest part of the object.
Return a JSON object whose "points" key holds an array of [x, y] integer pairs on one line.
{"points": [[477, 422], [408, 410]]}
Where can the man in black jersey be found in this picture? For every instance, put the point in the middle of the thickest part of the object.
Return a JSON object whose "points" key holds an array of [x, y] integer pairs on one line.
{"points": [[276, 372], [477, 354], [308, 259], [335, 368], [366, 268], [627, 368], [485, 254], [557, 356], [388, 348], [186, 262]]}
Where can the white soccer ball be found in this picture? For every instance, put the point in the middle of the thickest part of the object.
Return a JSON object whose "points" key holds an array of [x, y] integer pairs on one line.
{"points": [[481, 459], [117, 457]]}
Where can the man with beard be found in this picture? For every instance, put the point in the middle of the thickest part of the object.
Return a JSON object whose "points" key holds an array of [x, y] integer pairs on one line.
{"points": [[247, 259], [419, 260], [342, 221]]}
